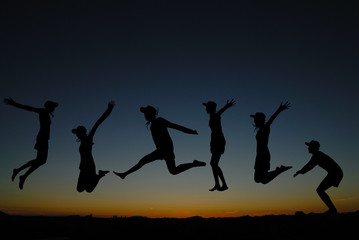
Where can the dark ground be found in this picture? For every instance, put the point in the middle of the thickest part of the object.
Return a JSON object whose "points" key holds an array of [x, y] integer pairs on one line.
{"points": [[299, 226]]}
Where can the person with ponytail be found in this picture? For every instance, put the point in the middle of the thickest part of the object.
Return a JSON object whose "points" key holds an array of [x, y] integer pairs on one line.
{"points": [[88, 178], [164, 145]]}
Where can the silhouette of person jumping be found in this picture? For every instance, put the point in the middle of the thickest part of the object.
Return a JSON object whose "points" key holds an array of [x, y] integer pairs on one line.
{"points": [[42, 139], [218, 142], [335, 173], [164, 145], [262, 163], [88, 179]]}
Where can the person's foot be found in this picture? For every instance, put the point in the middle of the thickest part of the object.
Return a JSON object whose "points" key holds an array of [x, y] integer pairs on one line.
{"points": [[102, 173], [284, 168], [199, 163], [121, 175], [216, 187], [22, 181], [14, 173], [223, 188]]}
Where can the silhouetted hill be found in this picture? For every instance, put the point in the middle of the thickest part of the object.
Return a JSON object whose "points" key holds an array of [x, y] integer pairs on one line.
{"points": [[3, 214], [299, 226]]}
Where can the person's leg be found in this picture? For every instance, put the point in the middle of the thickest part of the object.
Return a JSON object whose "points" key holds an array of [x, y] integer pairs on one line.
{"points": [[146, 159], [214, 166], [221, 177], [173, 169], [323, 186], [224, 184], [217, 174], [33, 165], [81, 182], [94, 180], [259, 174], [17, 170], [265, 177]]}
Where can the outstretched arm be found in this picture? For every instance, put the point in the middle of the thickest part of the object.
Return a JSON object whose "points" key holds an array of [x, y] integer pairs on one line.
{"points": [[102, 118], [281, 108], [181, 128], [228, 105], [309, 166], [11, 102]]}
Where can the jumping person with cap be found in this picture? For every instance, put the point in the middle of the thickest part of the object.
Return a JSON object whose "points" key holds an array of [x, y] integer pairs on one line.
{"points": [[164, 145], [262, 163], [88, 179], [218, 142], [333, 178], [42, 139]]}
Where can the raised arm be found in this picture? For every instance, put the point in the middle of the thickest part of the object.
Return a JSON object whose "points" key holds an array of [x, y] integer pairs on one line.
{"points": [[11, 102], [180, 128], [102, 118], [228, 105], [281, 108]]}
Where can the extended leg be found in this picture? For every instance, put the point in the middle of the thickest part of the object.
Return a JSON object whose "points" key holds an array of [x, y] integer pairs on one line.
{"points": [[173, 169], [17, 170], [146, 159], [33, 165]]}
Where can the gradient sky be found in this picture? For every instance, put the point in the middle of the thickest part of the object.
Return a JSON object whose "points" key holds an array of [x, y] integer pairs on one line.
{"points": [[175, 56]]}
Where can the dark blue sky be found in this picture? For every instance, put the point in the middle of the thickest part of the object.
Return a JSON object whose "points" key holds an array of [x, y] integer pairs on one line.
{"points": [[175, 55]]}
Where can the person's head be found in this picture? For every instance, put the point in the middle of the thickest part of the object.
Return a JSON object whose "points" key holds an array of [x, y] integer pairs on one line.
{"points": [[50, 106], [80, 132], [149, 112], [210, 107], [313, 146], [259, 119]]}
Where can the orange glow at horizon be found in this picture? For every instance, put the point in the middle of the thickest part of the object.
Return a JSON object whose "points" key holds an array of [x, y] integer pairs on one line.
{"points": [[174, 211]]}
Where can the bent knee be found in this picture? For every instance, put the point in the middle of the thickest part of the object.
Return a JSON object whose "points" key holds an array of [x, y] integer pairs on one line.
{"points": [[258, 178], [261, 180], [320, 190], [173, 171]]}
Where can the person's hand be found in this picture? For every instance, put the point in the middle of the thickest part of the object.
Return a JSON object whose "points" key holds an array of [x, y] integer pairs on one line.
{"points": [[111, 104], [284, 106], [230, 103], [9, 101]]}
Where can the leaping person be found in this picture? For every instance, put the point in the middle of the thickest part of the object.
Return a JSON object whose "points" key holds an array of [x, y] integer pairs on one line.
{"points": [[42, 139], [218, 142], [164, 145], [88, 178], [262, 163]]}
